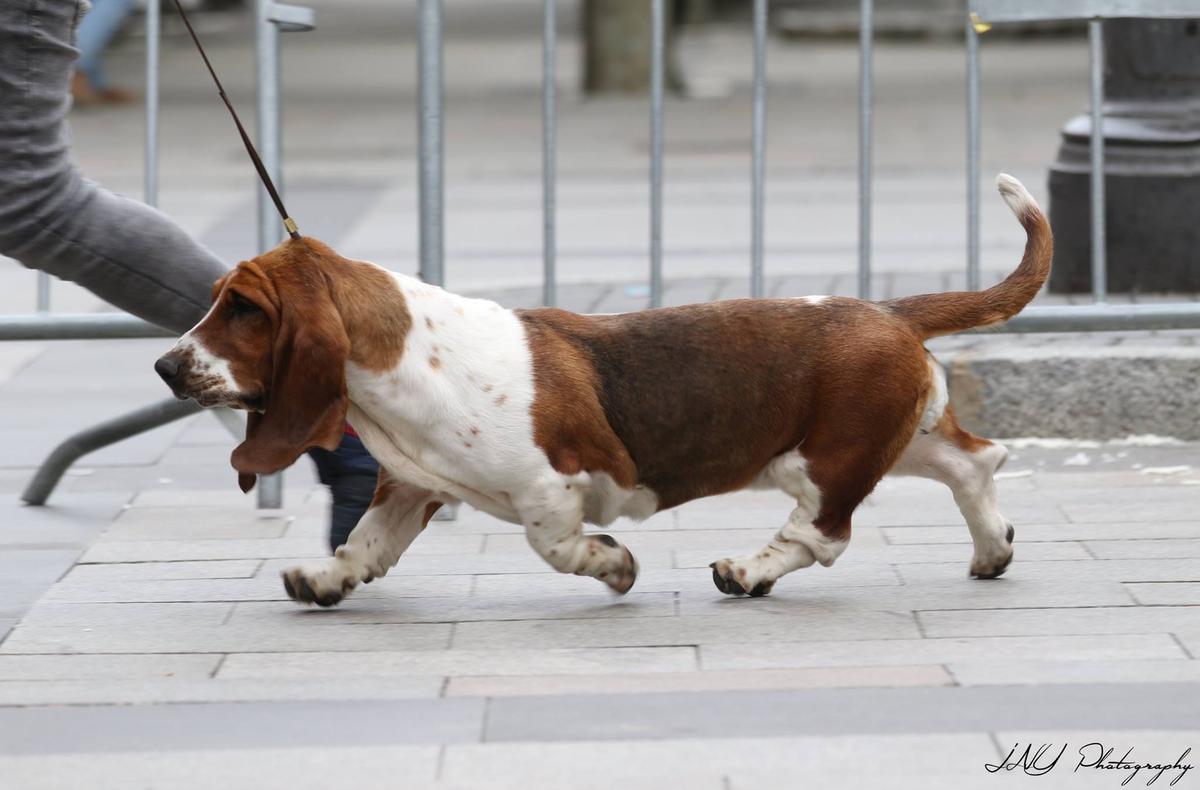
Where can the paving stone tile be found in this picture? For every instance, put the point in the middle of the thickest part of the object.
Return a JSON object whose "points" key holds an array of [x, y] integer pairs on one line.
{"points": [[185, 638], [395, 609], [116, 728], [432, 541], [676, 539], [1038, 672], [710, 763], [112, 616], [230, 497], [1118, 570], [1165, 593], [905, 554], [156, 571], [193, 550], [720, 680], [900, 652], [334, 688], [458, 662], [690, 581], [1145, 549], [1129, 620], [164, 523], [1150, 509], [960, 593], [267, 587], [1036, 533], [280, 768], [815, 623], [83, 668], [442, 565]]}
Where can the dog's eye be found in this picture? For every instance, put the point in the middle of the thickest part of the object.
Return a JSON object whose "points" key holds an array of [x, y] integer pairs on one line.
{"points": [[240, 305]]}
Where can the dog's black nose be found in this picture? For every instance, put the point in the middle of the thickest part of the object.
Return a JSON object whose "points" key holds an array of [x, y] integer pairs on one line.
{"points": [[167, 367]]}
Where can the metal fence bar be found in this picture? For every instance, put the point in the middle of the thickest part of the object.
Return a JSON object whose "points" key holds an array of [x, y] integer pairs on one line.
{"points": [[1054, 10], [429, 140], [86, 326], [549, 140], [153, 36], [270, 144], [758, 149], [1103, 318], [1099, 235], [43, 292], [866, 48], [973, 154], [657, 69], [101, 435]]}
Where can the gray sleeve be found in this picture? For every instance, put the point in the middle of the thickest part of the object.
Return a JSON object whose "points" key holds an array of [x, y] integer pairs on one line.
{"points": [[51, 218]]}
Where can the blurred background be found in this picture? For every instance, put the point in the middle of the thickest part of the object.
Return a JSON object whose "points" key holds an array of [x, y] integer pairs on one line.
{"points": [[349, 129]]}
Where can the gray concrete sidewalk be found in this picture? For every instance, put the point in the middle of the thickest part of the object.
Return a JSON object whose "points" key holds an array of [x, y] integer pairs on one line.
{"points": [[168, 655]]}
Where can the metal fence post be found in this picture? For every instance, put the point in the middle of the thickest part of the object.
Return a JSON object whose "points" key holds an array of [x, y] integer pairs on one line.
{"points": [[1099, 235], [657, 69], [270, 232], [153, 36], [549, 134], [758, 150], [973, 152], [866, 45], [429, 134]]}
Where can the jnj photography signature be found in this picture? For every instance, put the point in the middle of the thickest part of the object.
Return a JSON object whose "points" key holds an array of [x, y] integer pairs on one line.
{"points": [[1040, 759]]}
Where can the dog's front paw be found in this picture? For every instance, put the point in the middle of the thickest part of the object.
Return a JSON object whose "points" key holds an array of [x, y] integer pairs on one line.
{"points": [[620, 576], [738, 577], [324, 585]]}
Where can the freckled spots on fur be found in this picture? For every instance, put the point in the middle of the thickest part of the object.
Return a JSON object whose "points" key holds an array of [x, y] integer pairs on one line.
{"points": [[429, 323], [467, 444], [487, 387], [435, 362], [474, 431], [501, 400], [537, 523], [553, 552], [434, 348]]}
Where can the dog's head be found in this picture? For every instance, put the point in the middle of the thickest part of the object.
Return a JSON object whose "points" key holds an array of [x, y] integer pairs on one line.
{"points": [[274, 344]]}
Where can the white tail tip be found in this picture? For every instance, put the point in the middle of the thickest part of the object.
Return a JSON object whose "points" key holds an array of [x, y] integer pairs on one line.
{"points": [[1016, 195]]}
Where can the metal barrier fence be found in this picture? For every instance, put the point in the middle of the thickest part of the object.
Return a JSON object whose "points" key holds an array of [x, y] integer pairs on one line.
{"points": [[982, 13], [271, 18]]}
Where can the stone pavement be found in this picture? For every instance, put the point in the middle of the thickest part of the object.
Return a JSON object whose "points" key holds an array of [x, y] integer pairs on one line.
{"points": [[168, 655]]}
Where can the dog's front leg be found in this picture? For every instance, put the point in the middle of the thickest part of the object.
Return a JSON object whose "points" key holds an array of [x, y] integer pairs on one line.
{"points": [[398, 513], [552, 512]]}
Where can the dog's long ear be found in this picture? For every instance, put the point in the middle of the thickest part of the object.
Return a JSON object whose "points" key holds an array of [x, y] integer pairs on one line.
{"points": [[306, 402]]}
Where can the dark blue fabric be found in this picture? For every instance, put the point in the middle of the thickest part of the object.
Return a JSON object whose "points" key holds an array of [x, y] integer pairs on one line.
{"points": [[350, 472]]}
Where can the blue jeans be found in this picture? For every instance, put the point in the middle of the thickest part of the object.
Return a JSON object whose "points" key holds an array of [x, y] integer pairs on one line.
{"points": [[96, 30], [350, 472]]}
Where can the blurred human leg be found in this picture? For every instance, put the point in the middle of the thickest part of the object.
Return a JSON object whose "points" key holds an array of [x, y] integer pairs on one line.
{"points": [[51, 218], [96, 30]]}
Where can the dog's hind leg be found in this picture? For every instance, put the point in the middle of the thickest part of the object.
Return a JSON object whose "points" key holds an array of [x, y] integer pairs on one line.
{"points": [[965, 463], [398, 513], [817, 531], [552, 512]]}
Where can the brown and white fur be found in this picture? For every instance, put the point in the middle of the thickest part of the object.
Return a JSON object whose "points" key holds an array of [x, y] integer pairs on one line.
{"points": [[552, 420]]}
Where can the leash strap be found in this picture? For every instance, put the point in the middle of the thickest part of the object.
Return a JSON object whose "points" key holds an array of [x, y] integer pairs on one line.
{"points": [[288, 222]]}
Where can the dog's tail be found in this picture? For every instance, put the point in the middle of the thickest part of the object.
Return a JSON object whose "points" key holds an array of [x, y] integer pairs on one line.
{"points": [[945, 313]]}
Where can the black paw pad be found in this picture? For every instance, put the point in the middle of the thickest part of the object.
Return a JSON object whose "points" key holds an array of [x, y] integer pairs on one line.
{"points": [[607, 540], [761, 589], [287, 586], [1009, 535]]}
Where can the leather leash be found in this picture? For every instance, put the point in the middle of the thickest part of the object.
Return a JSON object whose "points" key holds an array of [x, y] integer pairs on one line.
{"points": [[288, 222]]}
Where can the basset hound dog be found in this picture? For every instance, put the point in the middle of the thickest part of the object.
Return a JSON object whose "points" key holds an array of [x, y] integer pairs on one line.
{"points": [[551, 420]]}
